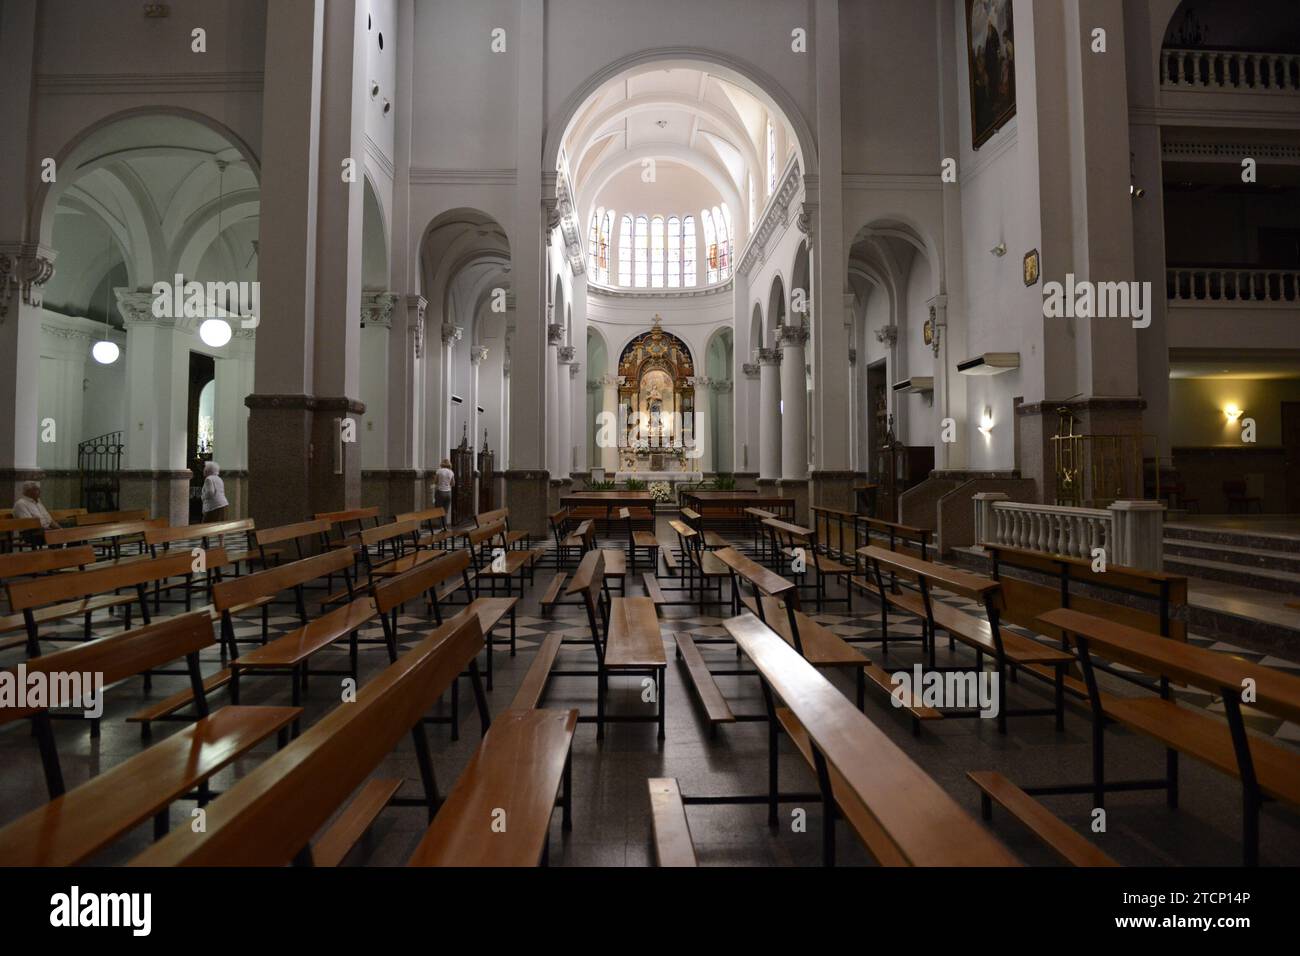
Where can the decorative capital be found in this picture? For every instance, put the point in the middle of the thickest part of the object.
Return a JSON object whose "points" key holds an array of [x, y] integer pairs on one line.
{"points": [[554, 333], [478, 353], [415, 306], [795, 336], [750, 369], [607, 381], [575, 369], [451, 334], [136, 308], [769, 356], [377, 309], [27, 266], [888, 334], [721, 386], [566, 354]]}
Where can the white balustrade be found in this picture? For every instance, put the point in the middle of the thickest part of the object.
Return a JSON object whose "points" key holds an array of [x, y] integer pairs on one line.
{"points": [[1130, 533], [1228, 286], [1233, 70]]}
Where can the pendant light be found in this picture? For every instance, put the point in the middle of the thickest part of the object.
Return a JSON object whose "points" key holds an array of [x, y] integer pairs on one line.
{"points": [[105, 351], [216, 332]]}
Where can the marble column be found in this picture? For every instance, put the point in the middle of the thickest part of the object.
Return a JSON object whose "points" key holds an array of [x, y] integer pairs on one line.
{"points": [[577, 416], [723, 426], [792, 340], [24, 269], [747, 453], [477, 356], [609, 403], [769, 414], [554, 340], [234, 383], [441, 408], [63, 356], [564, 388], [377, 310]]}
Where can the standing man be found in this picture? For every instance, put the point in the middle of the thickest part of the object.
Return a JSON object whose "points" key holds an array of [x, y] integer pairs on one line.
{"points": [[444, 479]]}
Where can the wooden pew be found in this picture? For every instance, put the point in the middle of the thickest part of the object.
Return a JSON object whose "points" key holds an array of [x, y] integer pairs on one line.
{"points": [[710, 539], [639, 541], [65, 514], [983, 635], [26, 564], [110, 517], [899, 812], [347, 522], [704, 572], [373, 544], [83, 592], [431, 535], [266, 539], [672, 834], [837, 531], [626, 638], [77, 824], [1049, 829], [793, 540], [204, 533], [502, 515], [502, 563], [14, 532], [430, 579], [270, 816], [109, 535], [1264, 768]]}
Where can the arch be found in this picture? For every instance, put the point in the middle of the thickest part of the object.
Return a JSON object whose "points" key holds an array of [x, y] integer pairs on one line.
{"points": [[756, 327], [375, 261], [903, 228], [776, 311], [799, 281], [45, 196], [738, 71]]}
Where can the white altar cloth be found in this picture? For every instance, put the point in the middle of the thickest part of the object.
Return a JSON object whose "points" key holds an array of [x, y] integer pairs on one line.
{"points": [[671, 476]]}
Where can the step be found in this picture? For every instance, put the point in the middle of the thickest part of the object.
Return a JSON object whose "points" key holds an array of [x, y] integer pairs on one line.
{"points": [[1246, 557], [1236, 537], [1268, 579]]}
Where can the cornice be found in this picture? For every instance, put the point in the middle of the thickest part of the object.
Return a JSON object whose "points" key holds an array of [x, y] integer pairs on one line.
{"points": [[691, 293], [81, 84], [776, 214], [428, 176]]}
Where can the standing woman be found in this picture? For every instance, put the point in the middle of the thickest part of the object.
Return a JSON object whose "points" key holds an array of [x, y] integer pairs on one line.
{"points": [[214, 493], [444, 479]]}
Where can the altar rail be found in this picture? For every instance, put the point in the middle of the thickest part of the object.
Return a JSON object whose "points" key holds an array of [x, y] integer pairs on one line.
{"points": [[1229, 286], [1131, 533], [1234, 70]]}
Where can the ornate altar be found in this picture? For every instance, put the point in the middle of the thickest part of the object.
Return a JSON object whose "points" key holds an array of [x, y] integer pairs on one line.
{"points": [[462, 466], [656, 385]]}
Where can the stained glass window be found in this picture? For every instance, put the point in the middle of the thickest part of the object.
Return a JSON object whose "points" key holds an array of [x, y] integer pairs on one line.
{"points": [[771, 158], [625, 251], [674, 252], [710, 248], [657, 252], [688, 252], [642, 247], [724, 241]]}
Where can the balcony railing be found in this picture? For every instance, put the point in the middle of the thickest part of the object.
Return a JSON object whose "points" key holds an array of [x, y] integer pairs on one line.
{"points": [[1129, 533], [1230, 70], [1228, 286]]}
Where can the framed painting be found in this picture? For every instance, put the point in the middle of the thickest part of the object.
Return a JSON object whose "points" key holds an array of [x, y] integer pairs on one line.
{"points": [[991, 63]]}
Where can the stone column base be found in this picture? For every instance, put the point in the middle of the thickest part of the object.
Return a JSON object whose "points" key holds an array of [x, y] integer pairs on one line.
{"points": [[396, 491], [834, 489], [1037, 423], [527, 495], [291, 452], [745, 480], [59, 489], [796, 488], [165, 494]]}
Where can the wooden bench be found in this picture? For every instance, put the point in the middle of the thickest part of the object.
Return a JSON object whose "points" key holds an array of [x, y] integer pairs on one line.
{"points": [[836, 531], [271, 815], [430, 579], [26, 564], [372, 545], [581, 539], [983, 635], [1264, 768], [504, 563], [81, 593], [1048, 828], [626, 638], [894, 536], [672, 833], [639, 541], [900, 813], [109, 536], [502, 515], [431, 535], [15, 532], [110, 517], [704, 572], [266, 540], [710, 539], [77, 824], [799, 546]]}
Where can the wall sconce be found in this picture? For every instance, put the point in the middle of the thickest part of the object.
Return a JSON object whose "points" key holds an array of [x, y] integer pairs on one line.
{"points": [[986, 422], [999, 250], [1233, 413]]}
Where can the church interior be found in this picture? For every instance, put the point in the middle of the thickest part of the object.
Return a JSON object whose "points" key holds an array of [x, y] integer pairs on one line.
{"points": [[650, 433]]}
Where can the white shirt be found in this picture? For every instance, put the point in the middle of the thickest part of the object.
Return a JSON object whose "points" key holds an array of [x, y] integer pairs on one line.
{"points": [[214, 493], [26, 507], [443, 479]]}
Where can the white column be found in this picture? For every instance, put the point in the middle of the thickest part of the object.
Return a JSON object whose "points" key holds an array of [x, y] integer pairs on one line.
{"points": [[577, 416], [564, 411], [724, 425], [550, 420], [794, 398], [747, 450], [157, 385], [376, 349], [477, 356], [406, 408], [234, 383], [609, 403], [769, 413], [64, 352], [703, 427]]}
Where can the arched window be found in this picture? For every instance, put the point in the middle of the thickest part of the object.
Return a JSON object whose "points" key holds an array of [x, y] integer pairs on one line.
{"points": [[674, 252], [641, 244], [724, 241], [688, 252], [625, 251], [710, 248], [657, 252], [771, 158], [602, 225]]}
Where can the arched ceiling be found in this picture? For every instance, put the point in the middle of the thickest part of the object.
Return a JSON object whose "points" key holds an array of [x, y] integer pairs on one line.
{"points": [[683, 116]]}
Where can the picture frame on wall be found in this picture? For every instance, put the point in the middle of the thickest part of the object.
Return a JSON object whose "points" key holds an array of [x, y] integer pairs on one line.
{"points": [[991, 66], [1031, 267]]}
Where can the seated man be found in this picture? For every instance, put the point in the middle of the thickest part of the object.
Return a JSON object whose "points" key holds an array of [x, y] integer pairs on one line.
{"points": [[29, 506]]}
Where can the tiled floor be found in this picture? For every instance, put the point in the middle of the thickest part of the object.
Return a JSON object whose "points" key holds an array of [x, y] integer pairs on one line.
{"points": [[611, 825]]}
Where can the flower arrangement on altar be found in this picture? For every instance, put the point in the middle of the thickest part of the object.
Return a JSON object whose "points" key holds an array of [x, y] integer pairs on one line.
{"points": [[661, 491]]}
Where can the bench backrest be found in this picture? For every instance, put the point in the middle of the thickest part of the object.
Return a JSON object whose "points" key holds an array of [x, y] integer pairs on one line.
{"points": [[759, 577], [973, 586], [46, 559], [387, 532], [51, 589], [486, 533], [491, 517], [19, 524], [233, 591], [111, 517], [917, 815], [428, 514], [900, 537], [122, 655], [97, 532], [352, 514], [210, 529], [60, 514], [290, 532], [402, 587], [590, 580], [271, 813]]}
